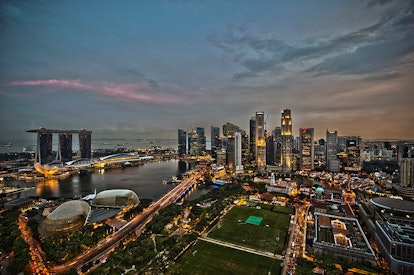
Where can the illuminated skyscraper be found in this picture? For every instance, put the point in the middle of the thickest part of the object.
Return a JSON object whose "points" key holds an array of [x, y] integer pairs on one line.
{"points": [[353, 155], [260, 142], [65, 147], [182, 142], [306, 149], [85, 144], [286, 146]]}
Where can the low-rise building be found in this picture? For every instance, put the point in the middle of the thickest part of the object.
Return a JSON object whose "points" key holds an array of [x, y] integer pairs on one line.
{"points": [[341, 237]]}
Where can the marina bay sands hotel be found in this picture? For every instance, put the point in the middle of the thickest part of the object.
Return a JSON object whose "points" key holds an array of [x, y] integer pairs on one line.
{"points": [[64, 153]]}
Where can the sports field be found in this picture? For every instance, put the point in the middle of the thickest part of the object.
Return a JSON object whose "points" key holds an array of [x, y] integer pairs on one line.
{"points": [[208, 258], [268, 236]]}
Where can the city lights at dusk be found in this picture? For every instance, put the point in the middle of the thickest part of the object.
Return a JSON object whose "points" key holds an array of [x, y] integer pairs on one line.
{"points": [[143, 69]]}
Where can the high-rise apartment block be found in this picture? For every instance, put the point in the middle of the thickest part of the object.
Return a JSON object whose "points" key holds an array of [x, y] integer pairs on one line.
{"points": [[260, 142], [306, 149], [287, 139]]}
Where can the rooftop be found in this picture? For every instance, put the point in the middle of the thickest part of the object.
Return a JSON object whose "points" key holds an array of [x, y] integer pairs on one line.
{"points": [[394, 204]]}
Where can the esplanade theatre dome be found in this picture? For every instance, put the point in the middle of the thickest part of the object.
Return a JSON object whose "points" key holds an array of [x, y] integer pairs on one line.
{"points": [[66, 217], [116, 198]]}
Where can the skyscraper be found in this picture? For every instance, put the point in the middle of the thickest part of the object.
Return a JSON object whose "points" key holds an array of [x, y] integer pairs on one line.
{"points": [[332, 162], [201, 140], [353, 155], [65, 147], [252, 144], [278, 145], [306, 149], [286, 148], [192, 141], [85, 144], [230, 129], [260, 142], [182, 142], [44, 148], [238, 152], [270, 150], [215, 134]]}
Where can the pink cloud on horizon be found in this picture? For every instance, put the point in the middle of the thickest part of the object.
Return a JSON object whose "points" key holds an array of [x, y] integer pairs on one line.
{"points": [[122, 91]]}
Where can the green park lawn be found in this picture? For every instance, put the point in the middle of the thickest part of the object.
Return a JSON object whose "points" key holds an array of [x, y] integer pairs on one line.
{"points": [[268, 236], [208, 258]]}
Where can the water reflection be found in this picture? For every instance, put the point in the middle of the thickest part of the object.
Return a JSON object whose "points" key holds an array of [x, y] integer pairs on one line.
{"points": [[49, 187]]}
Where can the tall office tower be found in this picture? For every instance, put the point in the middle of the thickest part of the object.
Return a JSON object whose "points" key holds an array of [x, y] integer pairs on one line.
{"points": [[278, 145], [252, 144], [353, 162], [245, 148], [404, 151], [306, 149], [332, 162], [85, 144], [215, 134], [270, 150], [229, 129], [192, 142], [287, 139], [230, 146], [238, 152], [44, 148], [65, 147], [260, 142], [182, 143], [201, 140]]}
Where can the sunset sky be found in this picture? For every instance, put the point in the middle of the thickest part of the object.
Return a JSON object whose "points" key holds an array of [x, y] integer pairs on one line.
{"points": [[143, 69]]}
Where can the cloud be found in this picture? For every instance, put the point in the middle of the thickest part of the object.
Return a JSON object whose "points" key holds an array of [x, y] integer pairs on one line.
{"points": [[142, 92], [382, 45]]}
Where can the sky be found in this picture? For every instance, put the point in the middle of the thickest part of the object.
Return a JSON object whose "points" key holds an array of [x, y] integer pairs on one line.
{"points": [[143, 69]]}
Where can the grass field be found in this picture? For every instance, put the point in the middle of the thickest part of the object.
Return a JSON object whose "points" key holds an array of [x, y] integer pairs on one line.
{"points": [[268, 236], [208, 258]]}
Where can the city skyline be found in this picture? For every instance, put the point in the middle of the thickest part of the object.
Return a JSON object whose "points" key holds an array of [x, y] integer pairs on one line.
{"points": [[143, 70]]}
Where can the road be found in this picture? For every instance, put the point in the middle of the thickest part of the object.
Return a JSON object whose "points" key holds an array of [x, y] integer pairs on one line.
{"points": [[101, 250], [243, 248]]}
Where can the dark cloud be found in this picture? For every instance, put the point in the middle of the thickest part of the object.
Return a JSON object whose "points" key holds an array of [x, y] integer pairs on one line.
{"points": [[371, 49]]}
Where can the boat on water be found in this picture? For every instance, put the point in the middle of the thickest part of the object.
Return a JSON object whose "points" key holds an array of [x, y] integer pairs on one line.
{"points": [[6, 144]]}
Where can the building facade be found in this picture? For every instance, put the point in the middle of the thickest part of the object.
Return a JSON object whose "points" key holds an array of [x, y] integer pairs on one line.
{"points": [[306, 149], [394, 235], [332, 163], [287, 140], [260, 142], [85, 144], [182, 143]]}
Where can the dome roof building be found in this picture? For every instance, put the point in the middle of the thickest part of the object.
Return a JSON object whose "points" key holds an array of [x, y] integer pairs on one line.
{"points": [[118, 198], [319, 191], [66, 217]]}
